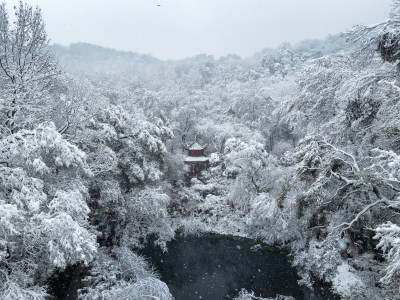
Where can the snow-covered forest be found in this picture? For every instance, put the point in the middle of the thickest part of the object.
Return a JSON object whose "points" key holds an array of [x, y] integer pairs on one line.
{"points": [[303, 142]]}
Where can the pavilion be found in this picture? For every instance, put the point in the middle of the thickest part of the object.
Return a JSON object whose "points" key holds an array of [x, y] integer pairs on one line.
{"points": [[196, 158]]}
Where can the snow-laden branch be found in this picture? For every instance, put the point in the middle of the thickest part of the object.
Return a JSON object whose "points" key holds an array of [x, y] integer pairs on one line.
{"points": [[368, 207], [355, 165]]}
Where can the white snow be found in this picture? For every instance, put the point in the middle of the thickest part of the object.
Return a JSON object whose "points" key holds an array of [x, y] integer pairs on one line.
{"points": [[196, 146], [196, 159], [346, 281]]}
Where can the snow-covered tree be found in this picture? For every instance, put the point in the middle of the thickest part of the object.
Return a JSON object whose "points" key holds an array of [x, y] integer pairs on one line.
{"points": [[45, 214], [148, 215], [381, 38], [251, 162], [389, 240], [27, 67]]}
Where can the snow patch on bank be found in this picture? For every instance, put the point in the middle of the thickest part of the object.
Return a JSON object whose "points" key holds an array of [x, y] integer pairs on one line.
{"points": [[346, 282]]}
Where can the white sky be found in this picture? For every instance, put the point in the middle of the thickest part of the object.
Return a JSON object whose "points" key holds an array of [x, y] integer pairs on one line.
{"points": [[182, 28]]}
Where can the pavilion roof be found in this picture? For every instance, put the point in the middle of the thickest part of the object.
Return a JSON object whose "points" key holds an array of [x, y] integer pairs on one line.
{"points": [[196, 159], [196, 146]]}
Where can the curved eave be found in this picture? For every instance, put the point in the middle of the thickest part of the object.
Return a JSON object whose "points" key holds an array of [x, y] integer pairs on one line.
{"points": [[195, 159], [196, 147]]}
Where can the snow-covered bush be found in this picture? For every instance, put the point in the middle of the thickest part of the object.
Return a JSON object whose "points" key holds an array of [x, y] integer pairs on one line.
{"points": [[245, 295], [126, 277]]}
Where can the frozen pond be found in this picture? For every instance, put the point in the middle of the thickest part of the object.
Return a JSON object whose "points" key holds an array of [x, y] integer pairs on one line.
{"points": [[217, 267]]}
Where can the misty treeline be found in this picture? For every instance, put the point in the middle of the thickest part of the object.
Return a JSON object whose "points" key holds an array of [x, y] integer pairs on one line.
{"points": [[303, 142]]}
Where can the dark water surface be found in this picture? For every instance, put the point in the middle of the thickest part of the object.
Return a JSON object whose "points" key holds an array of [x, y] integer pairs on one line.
{"points": [[217, 267]]}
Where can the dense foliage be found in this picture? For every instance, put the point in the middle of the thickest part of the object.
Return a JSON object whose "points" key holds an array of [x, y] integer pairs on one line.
{"points": [[303, 143]]}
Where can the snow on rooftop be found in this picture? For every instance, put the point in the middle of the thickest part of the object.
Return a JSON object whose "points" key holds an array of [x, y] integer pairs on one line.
{"points": [[196, 146], [196, 159]]}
